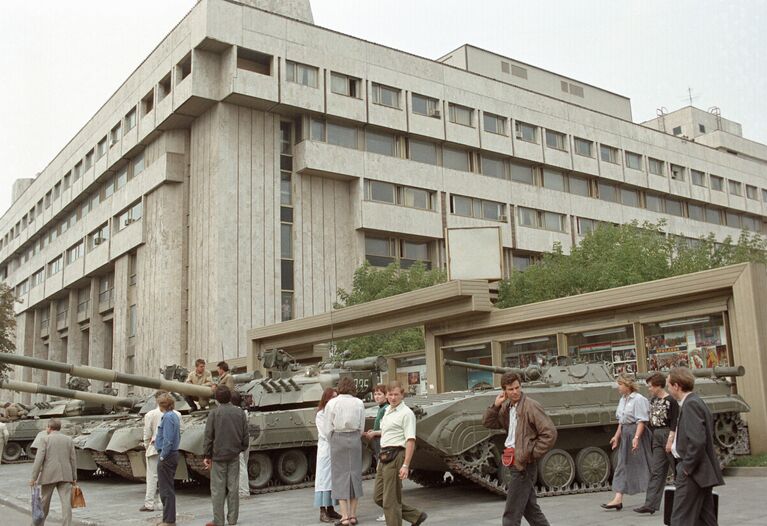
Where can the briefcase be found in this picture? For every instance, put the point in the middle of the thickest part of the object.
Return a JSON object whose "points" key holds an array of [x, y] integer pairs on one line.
{"points": [[668, 504]]}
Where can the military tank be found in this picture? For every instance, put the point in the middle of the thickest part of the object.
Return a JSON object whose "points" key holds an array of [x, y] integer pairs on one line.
{"points": [[581, 400], [77, 409], [281, 408]]}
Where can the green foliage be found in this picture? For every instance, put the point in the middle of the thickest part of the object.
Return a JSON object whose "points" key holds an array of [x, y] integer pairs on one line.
{"points": [[7, 322], [614, 256], [750, 461], [371, 283]]}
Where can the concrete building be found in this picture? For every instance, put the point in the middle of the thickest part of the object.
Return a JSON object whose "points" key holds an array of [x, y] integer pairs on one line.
{"points": [[254, 160]]}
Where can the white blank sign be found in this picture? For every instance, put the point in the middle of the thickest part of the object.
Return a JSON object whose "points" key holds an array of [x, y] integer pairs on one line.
{"points": [[474, 253]]}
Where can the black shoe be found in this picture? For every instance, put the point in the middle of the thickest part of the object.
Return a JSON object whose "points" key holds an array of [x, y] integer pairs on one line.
{"points": [[421, 519], [644, 509], [332, 513], [617, 507]]}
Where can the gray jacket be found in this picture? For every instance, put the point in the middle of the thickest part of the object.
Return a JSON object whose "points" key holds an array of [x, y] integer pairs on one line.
{"points": [[55, 460], [694, 442], [226, 433]]}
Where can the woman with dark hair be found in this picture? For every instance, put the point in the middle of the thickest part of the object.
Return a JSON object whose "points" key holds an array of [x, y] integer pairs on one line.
{"points": [[344, 424], [322, 480]]}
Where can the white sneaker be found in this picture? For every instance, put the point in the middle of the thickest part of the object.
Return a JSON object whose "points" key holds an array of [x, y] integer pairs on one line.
{"points": [[382, 518]]}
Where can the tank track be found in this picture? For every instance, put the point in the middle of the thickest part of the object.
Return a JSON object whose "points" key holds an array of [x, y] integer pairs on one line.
{"points": [[119, 464]]}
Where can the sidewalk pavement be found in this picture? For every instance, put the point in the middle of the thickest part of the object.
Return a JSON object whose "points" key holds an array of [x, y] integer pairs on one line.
{"points": [[113, 501]]}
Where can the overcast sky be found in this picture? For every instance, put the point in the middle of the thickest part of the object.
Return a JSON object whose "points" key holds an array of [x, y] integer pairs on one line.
{"points": [[60, 61]]}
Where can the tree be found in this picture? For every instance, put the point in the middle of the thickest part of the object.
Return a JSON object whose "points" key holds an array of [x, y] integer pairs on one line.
{"points": [[614, 256], [370, 283], [7, 323]]}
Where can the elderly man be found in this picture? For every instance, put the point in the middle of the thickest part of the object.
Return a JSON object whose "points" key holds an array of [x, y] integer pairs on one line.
{"points": [[166, 442], [56, 468], [151, 422], [200, 376]]}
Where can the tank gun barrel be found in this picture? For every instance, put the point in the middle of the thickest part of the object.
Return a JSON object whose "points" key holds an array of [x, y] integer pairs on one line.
{"points": [[28, 387], [371, 363], [106, 375], [480, 367]]}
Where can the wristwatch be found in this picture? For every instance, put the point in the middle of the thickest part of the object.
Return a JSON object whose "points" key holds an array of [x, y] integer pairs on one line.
{"points": [[404, 465]]}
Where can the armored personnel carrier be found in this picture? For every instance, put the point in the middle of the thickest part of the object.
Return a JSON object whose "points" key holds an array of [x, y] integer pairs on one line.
{"points": [[581, 400]]}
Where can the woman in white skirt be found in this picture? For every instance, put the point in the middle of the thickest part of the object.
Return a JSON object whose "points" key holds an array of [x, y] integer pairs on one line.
{"points": [[344, 425], [322, 480], [632, 469]]}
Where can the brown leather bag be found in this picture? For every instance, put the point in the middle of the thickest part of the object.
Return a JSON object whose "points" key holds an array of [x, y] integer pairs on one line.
{"points": [[78, 499]]}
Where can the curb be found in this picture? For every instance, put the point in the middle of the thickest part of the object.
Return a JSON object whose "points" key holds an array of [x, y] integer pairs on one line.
{"points": [[53, 517], [746, 472]]}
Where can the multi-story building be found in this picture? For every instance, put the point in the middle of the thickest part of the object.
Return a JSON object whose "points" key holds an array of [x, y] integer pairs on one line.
{"points": [[246, 168]]}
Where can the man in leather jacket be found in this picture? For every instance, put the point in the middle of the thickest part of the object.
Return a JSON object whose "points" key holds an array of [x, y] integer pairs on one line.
{"points": [[530, 433]]}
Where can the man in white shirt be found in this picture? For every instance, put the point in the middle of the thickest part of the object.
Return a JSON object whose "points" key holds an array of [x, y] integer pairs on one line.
{"points": [[4, 435], [151, 421], [398, 439]]}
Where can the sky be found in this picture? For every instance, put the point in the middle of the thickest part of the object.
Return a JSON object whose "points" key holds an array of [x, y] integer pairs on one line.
{"points": [[60, 61]]}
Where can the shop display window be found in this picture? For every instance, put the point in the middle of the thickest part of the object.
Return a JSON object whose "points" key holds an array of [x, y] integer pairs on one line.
{"points": [[690, 342], [411, 373], [532, 351], [613, 345], [460, 378]]}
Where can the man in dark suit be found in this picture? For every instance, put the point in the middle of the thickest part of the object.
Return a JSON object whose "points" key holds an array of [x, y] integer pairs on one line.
{"points": [[697, 469], [56, 467]]}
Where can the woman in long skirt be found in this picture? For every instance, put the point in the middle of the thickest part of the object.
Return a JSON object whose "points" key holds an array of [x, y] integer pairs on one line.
{"points": [[322, 480], [632, 470], [344, 423]]}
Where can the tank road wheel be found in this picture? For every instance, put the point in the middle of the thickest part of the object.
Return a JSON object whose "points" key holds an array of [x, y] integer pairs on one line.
{"points": [[725, 430], [367, 460], [292, 466], [12, 451], [29, 451], [556, 469], [592, 466], [259, 470]]}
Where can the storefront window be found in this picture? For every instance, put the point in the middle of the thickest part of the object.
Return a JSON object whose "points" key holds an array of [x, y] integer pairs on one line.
{"points": [[532, 351], [614, 345], [690, 342], [411, 373], [460, 378]]}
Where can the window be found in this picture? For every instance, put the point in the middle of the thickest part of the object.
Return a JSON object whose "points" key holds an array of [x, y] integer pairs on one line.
{"points": [[340, 135], [540, 219], [526, 132], [717, 183], [380, 251], [677, 172], [37, 278], [608, 192], [423, 105], [129, 216], [653, 202], [479, 208], [422, 151], [629, 197], [57, 190], [130, 119], [732, 219], [121, 178], [522, 173], [493, 167], [554, 180], [254, 61], [579, 186], [147, 103], [633, 161], [286, 240], [417, 198], [163, 88], [132, 320], [137, 164], [735, 187], [380, 143], [22, 288], [55, 266], [106, 288], [114, 135], [184, 68], [696, 212], [677, 130], [655, 166], [382, 192], [75, 252], [461, 115], [301, 74], [749, 223], [386, 95], [713, 216], [584, 147], [88, 161], [586, 226], [698, 178], [345, 85], [101, 148], [68, 176], [764, 196], [411, 251], [674, 207], [456, 159], [98, 236], [494, 123], [751, 192], [608, 154], [556, 140], [701, 128]]}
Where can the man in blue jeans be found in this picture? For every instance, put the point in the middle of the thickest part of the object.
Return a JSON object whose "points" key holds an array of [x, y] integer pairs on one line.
{"points": [[166, 443]]}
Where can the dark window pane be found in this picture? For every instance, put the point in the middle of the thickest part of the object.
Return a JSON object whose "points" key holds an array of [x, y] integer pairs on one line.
{"points": [[286, 274]]}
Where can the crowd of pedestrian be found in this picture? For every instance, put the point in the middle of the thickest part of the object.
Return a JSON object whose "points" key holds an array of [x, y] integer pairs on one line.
{"points": [[673, 428]]}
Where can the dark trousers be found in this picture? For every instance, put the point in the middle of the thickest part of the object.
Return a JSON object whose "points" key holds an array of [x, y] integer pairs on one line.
{"points": [[659, 464], [166, 471], [521, 500], [388, 493], [693, 505]]}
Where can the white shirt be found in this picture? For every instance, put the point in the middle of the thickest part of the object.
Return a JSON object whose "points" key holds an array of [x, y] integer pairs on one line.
{"points": [[397, 426], [344, 413], [632, 409], [3, 433], [151, 422], [512, 436], [673, 446]]}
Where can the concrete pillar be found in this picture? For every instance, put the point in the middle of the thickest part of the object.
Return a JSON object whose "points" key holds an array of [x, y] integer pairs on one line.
{"points": [[496, 357], [120, 321], [75, 336], [39, 349], [641, 349], [56, 346], [25, 333], [99, 336], [434, 367]]}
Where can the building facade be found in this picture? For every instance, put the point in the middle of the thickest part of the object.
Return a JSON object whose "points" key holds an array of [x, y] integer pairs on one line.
{"points": [[254, 160]]}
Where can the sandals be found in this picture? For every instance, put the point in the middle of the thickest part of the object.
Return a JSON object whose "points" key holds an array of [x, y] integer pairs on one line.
{"points": [[343, 522], [352, 520]]}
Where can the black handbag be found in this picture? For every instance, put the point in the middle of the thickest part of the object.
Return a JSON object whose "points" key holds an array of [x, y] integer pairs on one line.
{"points": [[389, 453]]}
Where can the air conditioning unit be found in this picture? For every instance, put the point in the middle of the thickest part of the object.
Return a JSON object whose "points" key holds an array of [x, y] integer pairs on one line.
{"points": [[98, 240], [128, 221], [436, 114], [518, 134], [503, 219]]}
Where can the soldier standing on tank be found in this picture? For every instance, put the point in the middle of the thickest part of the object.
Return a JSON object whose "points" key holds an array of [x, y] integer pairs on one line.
{"points": [[224, 378], [530, 434], [200, 376]]}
